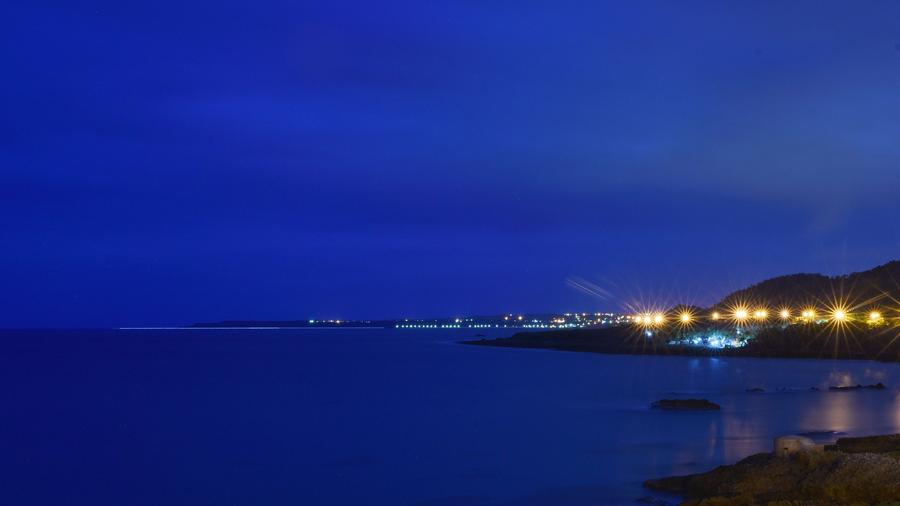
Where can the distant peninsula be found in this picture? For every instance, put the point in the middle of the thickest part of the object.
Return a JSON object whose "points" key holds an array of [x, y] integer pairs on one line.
{"points": [[855, 316], [803, 342], [242, 324]]}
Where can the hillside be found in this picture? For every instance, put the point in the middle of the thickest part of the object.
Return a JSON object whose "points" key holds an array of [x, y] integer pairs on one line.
{"points": [[855, 336], [878, 286]]}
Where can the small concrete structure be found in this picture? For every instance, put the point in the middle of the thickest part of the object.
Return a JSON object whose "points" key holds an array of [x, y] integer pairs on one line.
{"points": [[790, 445]]}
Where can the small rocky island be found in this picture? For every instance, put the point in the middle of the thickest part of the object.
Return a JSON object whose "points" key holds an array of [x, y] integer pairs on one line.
{"points": [[876, 386], [864, 470], [685, 405]]}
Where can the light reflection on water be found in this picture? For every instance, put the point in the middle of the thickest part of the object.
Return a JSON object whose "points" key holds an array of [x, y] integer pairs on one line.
{"points": [[391, 417]]}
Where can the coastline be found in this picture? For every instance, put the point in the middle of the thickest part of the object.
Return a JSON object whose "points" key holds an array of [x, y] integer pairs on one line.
{"points": [[852, 470], [860, 470], [788, 343]]}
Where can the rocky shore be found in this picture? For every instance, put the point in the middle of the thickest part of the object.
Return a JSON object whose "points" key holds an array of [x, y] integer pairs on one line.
{"points": [[851, 471], [796, 341]]}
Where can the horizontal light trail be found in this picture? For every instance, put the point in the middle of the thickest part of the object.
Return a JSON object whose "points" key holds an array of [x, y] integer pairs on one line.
{"points": [[246, 328]]}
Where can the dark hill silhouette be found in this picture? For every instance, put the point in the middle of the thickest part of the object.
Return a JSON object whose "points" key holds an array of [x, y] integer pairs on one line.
{"points": [[855, 339], [876, 287]]}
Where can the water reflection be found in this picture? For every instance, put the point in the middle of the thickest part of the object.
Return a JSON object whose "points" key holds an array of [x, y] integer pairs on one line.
{"points": [[761, 400], [712, 438], [381, 417], [833, 411]]}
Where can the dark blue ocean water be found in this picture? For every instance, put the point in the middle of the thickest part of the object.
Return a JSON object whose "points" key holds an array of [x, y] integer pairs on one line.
{"points": [[385, 417]]}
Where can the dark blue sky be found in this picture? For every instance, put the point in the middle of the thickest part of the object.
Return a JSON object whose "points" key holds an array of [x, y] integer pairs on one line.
{"points": [[166, 162]]}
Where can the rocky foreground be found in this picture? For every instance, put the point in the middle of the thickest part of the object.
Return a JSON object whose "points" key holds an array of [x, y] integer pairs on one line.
{"points": [[852, 471]]}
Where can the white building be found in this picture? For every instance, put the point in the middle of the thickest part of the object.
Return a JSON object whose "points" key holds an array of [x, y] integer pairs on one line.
{"points": [[790, 445]]}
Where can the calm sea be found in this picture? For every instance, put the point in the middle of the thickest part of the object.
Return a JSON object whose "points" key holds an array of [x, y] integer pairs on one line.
{"points": [[386, 417]]}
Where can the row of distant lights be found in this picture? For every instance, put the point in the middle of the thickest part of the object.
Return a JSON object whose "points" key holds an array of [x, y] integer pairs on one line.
{"points": [[446, 326], [743, 314]]}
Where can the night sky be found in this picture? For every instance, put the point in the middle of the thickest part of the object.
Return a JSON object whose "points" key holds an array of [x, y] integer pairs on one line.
{"points": [[168, 162]]}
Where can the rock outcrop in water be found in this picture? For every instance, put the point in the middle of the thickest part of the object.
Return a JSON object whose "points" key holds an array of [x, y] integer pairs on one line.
{"points": [[685, 405], [876, 386], [852, 471]]}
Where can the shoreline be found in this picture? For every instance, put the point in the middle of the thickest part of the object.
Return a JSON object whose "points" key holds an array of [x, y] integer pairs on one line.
{"points": [[853, 470], [850, 470], [478, 342], [789, 343]]}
